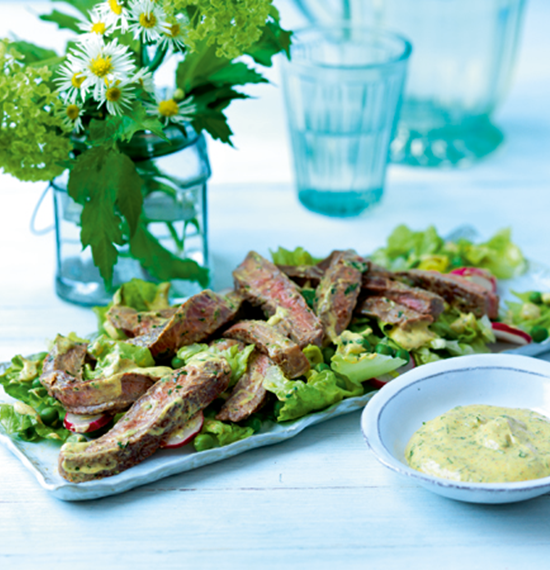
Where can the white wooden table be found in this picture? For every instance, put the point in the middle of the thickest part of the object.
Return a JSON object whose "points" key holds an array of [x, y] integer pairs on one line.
{"points": [[320, 500]]}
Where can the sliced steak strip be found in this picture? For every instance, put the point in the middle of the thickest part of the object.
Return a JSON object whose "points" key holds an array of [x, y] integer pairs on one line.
{"points": [[64, 363], [420, 300], [303, 274], [337, 293], [249, 394], [262, 283], [283, 351], [461, 293], [165, 407], [62, 377], [133, 323], [194, 321], [389, 311]]}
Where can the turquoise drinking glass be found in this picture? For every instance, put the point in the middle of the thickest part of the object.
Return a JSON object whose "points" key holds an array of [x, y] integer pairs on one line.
{"points": [[343, 90], [460, 70]]}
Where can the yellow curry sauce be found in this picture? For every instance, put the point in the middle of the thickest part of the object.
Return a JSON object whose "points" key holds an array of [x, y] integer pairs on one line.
{"points": [[483, 444]]}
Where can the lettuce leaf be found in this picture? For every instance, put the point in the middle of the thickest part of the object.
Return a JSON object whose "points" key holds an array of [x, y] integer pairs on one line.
{"points": [[22, 419], [526, 314], [299, 256], [215, 433], [365, 366], [296, 398], [407, 249], [237, 359], [137, 294]]}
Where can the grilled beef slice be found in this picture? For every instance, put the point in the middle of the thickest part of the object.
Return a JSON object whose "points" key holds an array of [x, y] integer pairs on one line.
{"points": [[165, 407], [262, 283], [62, 376], [419, 300], [302, 274], [337, 292], [249, 394], [133, 323], [194, 321], [283, 351], [465, 295], [389, 311]]}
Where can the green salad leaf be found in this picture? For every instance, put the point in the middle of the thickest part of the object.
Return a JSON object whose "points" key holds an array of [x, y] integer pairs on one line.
{"points": [[35, 415], [296, 398], [215, 433], [298, 256], [530, 313], [406, 249]]}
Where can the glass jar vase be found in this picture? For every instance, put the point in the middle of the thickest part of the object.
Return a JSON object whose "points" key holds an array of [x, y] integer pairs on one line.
{"points": [[174, 174]]}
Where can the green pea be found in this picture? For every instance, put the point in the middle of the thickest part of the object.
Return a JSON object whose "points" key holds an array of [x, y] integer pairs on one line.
{"points": [[384, 349], [204, 441], [456, 261], [366, 345], [539, 334], [36, 383], [177, 362], [49, 416], [403, 354], [536, 297], [322, 366]]}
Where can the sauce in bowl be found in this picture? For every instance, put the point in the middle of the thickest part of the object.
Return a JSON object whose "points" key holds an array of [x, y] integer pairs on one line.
{"points": [[483, 444]]}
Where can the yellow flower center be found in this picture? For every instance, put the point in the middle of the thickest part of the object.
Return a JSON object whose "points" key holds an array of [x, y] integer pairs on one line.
{"points": [[101, 66], [72, 112], [77, 80], [173, 30], [115, 7], [147, 21], [168, 108], [113, 94], [98, 28]]}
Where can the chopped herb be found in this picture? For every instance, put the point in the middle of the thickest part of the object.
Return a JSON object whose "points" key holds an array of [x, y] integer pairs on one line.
{"points": [[351, 288]]}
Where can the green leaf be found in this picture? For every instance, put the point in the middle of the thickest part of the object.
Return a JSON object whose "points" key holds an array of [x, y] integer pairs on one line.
{"points": [[83, 6], [128, 187], [32, 53], [123, 128], [272, 41], [104, 181], [63, 21], [161, 263]]}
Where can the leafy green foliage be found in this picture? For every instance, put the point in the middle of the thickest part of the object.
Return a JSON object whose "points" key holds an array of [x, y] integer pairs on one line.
{"points": [[232, 26], [210, 79], [63, 21], [161, 263], [105, 182], [32, 143], [20, 381]]}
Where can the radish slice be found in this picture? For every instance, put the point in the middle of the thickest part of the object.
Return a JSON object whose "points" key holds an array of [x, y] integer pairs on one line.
{"points": [[184, 434], [84, 424], [381, 381], [477, 275], [510, 334]]}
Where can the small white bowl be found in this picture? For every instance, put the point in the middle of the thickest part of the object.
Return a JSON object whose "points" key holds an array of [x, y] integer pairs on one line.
{"points": [[398, 410]]}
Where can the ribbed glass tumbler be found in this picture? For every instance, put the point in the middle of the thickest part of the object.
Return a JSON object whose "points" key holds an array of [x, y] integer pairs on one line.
{"points": [[343, 89]]}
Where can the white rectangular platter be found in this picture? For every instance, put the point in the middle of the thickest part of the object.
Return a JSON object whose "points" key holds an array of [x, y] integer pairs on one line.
{"points": [[41, 458]]}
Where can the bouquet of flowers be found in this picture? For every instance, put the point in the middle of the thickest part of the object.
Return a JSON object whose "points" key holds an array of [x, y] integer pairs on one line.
{"points": [[77, 111]]}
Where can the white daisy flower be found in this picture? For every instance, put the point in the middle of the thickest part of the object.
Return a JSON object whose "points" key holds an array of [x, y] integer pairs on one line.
{"points": [[98, 26], [144, 78], [148, 20], [71, 116], [115, 14], [70, 79], [102, 64], [171, 110], [173, 35], [118, 97]]}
